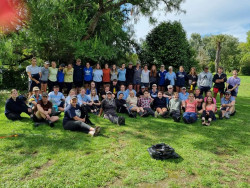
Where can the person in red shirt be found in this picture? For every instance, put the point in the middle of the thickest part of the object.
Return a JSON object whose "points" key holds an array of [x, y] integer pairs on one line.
{"points": [[106, 75]]}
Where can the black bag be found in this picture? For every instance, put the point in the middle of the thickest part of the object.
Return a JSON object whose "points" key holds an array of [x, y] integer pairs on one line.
{"points": [[162, 151]]}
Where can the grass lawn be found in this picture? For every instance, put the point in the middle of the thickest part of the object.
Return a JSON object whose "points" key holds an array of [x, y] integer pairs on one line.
{"points": [[215, 156]]}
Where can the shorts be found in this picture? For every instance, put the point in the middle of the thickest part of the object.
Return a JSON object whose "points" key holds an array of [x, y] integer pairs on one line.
{"points": [[44, 82], [130, 107], [33, 84], [137, 82], [218, 90], [78, 84], [144, 84]]}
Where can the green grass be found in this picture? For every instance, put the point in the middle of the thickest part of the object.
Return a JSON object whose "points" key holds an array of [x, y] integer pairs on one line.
{"points": [[215, 156]]}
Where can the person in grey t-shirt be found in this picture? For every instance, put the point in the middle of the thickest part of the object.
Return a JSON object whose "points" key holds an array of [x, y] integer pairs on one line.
{"points": [[175, 107], [45, 76]]}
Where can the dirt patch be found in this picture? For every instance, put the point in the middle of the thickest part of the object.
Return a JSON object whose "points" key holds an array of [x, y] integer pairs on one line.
{"points": [[38, 171]]}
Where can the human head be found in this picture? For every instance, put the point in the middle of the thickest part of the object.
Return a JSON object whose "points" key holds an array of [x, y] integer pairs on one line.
{"points": [[176, 95], [53, 64], [183, 89], [192, 71], [92, 84], [44, 96], [70, 65], [170, 88], [114, 67], [109, 95], [61, 66], [220, 70], [160, 94], [209, 100], [146, 93], [120, 96], [56, 89], [36, 90], [107, 88], [138, 64], [87, 64], [181, 69], [130, 65], [82, 91], [14, 93], [106, 66], [33, 61], [122, 87], [170, 68], [73, 101], [235, 73], [206, 69], [209, 94], [123, 66], [114, 82], [153, 68], [162, 67], [227, 94], [197, 92], [78, 62], [46, 64], [72, 92], [154, 87], [143, 88], [130, 86], [191, 96], [93, 92], [98, 66], [145, 67], [131, 94]]}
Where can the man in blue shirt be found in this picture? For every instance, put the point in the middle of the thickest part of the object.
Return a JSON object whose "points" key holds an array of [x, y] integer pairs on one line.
{"points": [[130, 88], [122, 90], [82, 98], [227, 106], [183, 96], [57, 98]]}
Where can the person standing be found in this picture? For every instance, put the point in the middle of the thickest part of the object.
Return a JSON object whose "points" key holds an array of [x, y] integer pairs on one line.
{"points": [[106, 75], [88, 75], [44, 76], [219, 80], [181, 78], [97, 77], [192, 80], [205, 79], [60, 77], [170, 77], [68, 76], [137, 77], [129, 73], [153, 76], [122, 75], [52, 76], [34, 74], [161, 75], [78, 75], [113, 73], [233, 84], [145, 77]]}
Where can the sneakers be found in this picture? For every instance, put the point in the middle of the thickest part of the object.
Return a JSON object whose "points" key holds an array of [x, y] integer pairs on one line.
{"points": [[97, 130], [227, 115], [165, 114], [51, 124], [176, 119], [121, 120], [156, 114], [185, 120], [220, 114]]}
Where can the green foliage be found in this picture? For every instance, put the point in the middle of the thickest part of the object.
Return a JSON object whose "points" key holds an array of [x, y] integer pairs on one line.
{"points": [[211, 66], [245, 63], [167, 44]]}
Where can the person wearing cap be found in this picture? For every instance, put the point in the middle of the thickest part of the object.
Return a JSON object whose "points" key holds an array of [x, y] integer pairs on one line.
{"points": [[129, 73], [57, 98], [52, 80], [137, 77], [183, 96], [123, 91], [108, 107], [78, 75], [75, 119], [141, 92], [106, 90], [35, 98], [72, 93], [145, 77], [175, 107], [60, 77], [15, 105], [43, 111], [145, 102], [205, 80], [181, 77], [154, 91], [44, 76], [121, 104], [169, 93], [132, 102], [161, 78], [227, 106], [34, 74], [88, 75], [190, 114], [219, 80], [160, 105], [170, 76], [233, 84], [153, 76]]}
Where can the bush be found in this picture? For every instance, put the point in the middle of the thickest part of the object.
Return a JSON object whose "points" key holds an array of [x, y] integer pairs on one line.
{"points": [[245, 70], [14, 78]]}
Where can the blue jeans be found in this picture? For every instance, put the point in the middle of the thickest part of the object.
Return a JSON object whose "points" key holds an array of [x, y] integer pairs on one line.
{"points": [[188, 115]]}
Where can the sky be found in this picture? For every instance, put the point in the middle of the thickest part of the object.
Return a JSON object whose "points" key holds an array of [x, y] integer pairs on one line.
{"points": [[207, 17]]}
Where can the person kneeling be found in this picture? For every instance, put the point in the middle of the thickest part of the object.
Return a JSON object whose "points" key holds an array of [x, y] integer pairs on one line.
{"points": [[75, 119], [108, 106], [43, 111], [208, 111], [175, 107], [190, 114]]}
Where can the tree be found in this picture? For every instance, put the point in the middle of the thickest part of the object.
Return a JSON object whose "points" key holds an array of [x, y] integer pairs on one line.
{"points": [[218, 40], [167, 44]]}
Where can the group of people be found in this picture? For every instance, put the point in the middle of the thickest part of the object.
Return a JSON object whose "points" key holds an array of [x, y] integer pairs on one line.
{"points": [[134, 90]]}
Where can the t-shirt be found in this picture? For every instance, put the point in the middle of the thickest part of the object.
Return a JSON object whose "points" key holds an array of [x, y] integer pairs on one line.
{"points": [[88, 74], [78, 73], [94, 98], [183, 97], [145, 76], [113, 75], [199, 97], [233, 81], [71, 112], [53, 74], [34, 71], [125, 95], [153, 94], [45, 107], [220, 85], [175, 104], [97, 75], [68, 75], [132, 101], [160, 103], [106, 75], [122, 75], [109, 106], [82, 99], [56, 99], [45, 74], [224, 101], [88, 91], [171, 77], [34, 98], [60, 76], [180, 78], [191, 107], [137, 74]]}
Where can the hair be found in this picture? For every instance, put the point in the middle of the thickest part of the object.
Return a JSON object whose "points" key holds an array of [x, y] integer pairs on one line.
{"points": [[91, 92], [70, 64], [191, 94], [181, 67], [113, 71], [56, 86], [176, 93], [207, 100], [160, 92], [33, 58], [82, 88], [220, 67], [145, 91], [198, 89], [153, 72], [97, 64], [78, 60], [115, 80], [72, 90], [194, 71], [107, 85], [12, 91]]}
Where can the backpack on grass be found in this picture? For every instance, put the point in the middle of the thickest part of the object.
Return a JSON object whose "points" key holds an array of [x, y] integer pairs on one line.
{"points": [[162, 151]]}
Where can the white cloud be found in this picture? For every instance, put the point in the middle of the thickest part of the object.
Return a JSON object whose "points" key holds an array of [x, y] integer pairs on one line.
{"points": [[206, 17]]}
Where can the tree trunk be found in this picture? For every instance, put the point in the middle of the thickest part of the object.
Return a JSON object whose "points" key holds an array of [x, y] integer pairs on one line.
{"points": [[217, 60]]}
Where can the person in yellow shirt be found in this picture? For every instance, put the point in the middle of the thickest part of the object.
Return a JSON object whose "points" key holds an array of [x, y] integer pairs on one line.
{"points": [[68, 76], [52, 80]]}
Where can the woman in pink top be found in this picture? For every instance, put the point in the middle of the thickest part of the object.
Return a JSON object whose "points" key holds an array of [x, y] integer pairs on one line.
{"points": [[208, 111], [209, 94], [190, 114]]}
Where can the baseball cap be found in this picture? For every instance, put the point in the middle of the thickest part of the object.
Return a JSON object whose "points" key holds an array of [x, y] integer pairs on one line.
{"points": [[142, 87], [36, 88], [228, 92], [170, 86], [183, 88], [109, 92], [45, 94], [74, 97], [130, 63], [46, 62], [62, 65], [154, 85]]}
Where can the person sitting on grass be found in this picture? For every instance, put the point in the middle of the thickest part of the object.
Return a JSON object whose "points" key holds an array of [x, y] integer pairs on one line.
{"points": [[209, 94], [94, 104], [108, 107], [75, 119], [160, 104], [132, 104], [190, 114], [183, 96], [199, 98], [15, 105], [104, 93], [130, 88], [72, 92], [208, 111], [57, 99], [145, 102], [227, 106], [122, 90], [35, 98], [141, 92], [83, 98], [175, 107], [114, 88], [169, 93], [92, 86], [154, 91], [43, 111], [121, 104]]}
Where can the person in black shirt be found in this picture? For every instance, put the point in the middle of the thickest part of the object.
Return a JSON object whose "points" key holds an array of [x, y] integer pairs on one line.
{"points": [[15, 105], [129, 73], [78, 75], [121, 104], [192, 79], [108, 106], [75, 119], [141, 92], [219, 80], [199, 98], [114, 88], [106, 90], [160, 105]]}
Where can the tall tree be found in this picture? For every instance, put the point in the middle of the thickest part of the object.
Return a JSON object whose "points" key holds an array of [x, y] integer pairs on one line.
{"points": [[218, 40]]}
